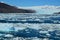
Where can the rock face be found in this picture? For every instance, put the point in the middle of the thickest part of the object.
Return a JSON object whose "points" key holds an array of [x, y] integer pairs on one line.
{"points": [[57, 13], [5, 8]]}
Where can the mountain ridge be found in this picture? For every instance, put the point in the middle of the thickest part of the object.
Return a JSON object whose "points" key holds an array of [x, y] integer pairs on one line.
{"points": [[6, 8]]}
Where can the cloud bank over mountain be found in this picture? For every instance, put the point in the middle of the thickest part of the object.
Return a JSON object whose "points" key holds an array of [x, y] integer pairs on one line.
{"points": [[44, 9]]}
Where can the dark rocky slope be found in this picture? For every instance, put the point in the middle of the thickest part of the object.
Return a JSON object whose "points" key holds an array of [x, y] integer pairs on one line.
{"points": [[57, 13], [5, 8]]}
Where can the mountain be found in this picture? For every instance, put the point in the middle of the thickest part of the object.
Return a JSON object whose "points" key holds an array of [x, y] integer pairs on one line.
{"points": [[5, 8], [57, 13]]}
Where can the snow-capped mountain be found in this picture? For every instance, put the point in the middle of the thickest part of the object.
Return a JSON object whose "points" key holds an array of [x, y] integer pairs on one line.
{"points": [[44, 9]]}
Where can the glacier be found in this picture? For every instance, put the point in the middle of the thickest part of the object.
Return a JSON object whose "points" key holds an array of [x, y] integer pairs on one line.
{"points": [[47, 30], [46, 9]]}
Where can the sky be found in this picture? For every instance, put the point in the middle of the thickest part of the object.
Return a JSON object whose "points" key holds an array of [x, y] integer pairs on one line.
{"points": [[32, 2]]}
